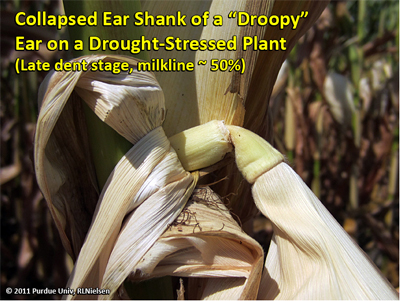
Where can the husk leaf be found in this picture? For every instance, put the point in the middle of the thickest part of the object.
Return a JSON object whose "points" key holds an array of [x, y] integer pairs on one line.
{"points": [[163, 195], [311, 256]]}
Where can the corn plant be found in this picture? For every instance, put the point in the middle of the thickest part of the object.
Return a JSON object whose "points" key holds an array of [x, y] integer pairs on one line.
{"points": [[154, 213]]}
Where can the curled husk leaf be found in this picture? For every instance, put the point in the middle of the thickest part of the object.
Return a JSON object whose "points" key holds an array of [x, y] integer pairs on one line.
{"points": [[64, 170]]}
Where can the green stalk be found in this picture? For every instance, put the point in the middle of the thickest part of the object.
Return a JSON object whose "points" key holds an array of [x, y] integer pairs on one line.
{"points": [[107, 146], [393, 177], [316, 182], [290, 128], [357, 62]]}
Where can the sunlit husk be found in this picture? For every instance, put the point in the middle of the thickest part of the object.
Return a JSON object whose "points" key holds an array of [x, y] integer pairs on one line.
{"points": [[311, 256], [132, 104], [338, 93], [204, 241], [63, 166], [117, 197], [163, 194]]}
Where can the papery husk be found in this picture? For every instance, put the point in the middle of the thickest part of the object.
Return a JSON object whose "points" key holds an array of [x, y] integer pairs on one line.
{"points": [[64, 170], [132, 104], [162, 197], [117, 197], [310, 256], [205, 241]]}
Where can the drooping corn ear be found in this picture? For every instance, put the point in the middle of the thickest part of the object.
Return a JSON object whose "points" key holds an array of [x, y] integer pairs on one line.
{"points": [[132, 99], [204, 241], [311, 256]]}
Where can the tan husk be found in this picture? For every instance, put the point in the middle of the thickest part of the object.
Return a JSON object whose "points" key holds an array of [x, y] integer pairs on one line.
{"points": [[311, 256], [132, 100], [163, 195], [117, 197], [63, 167], [205, 241], [60, 143]]}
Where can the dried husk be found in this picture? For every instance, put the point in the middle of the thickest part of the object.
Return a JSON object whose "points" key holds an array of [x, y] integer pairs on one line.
{"points": [[118, 196], [310, 256], [163, 196], [203, 242], [63, 167], [338, 92]]}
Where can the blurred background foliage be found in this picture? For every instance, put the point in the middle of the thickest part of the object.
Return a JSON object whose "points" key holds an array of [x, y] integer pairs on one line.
{"points": [[334, 111]]}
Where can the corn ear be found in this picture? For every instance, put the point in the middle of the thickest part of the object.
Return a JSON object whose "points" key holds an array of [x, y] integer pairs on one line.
{"points": [[311, 255], [306, 239], [133, 105], [204, 241], [164, 194]]}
